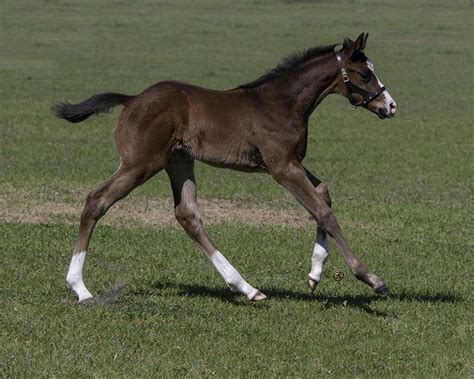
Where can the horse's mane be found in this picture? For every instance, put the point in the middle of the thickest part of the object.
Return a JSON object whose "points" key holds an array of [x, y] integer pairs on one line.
{"points": [[289, 63]]}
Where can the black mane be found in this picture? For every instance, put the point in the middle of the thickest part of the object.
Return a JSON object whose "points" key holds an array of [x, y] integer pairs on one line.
{"points": [[289, 63]]}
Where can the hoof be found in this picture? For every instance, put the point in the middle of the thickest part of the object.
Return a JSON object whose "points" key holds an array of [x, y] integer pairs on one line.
{"points": [[312, 283], [258, 296], [88, 301], [382, 290]]}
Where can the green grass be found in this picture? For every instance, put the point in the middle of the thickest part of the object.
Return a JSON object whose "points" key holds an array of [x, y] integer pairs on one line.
{"points": [[176, 318], [402, 190]]}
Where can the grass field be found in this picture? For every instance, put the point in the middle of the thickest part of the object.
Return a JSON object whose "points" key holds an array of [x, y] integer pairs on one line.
{"points": [[402, 189]]}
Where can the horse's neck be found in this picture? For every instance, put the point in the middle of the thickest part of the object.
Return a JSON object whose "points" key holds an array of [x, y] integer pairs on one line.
{"points": [[305, 87]]}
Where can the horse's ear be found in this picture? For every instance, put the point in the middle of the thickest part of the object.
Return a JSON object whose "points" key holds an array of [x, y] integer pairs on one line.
{"points": [[360, 42], [347, 42], [364, 41], [350, 47]]}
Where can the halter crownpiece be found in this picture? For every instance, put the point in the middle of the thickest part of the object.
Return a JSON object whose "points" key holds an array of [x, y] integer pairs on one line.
{"points": [[367, 96]]}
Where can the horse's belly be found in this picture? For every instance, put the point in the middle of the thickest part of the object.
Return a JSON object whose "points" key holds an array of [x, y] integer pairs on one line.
{"points": [[242, 158]]}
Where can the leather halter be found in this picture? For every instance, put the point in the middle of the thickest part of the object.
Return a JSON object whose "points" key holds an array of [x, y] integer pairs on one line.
{"points": [[367, 96]]}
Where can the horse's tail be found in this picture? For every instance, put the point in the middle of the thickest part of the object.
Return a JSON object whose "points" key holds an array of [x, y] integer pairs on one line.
{"points": [[102, 102]]}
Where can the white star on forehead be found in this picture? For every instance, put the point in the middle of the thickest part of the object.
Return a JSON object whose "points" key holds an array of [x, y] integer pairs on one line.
{"points": [[370, 65]]}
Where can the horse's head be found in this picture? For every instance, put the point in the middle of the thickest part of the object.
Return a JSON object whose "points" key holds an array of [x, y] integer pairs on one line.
{"points": [[358, 81]]}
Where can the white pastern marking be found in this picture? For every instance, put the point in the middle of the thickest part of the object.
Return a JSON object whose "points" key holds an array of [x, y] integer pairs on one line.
{"points": [[74, 276], [231, 276], [320, 255]]}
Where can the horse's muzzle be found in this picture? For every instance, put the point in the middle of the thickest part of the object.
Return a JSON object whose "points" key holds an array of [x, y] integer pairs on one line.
{"points": [[387, 113]]}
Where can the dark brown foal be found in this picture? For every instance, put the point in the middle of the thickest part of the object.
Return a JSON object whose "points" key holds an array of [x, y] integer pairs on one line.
{"points": [[260, 126]]}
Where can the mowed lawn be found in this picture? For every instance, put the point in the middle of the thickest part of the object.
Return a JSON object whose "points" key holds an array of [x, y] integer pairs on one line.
{"points": [[402, 189]]}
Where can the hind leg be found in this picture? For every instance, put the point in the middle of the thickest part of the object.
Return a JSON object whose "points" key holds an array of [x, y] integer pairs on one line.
{"points": [[180, 170], [98, 202]]}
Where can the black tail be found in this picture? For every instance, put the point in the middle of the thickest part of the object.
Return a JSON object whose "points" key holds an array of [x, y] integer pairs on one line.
{"points": [[99, 103]]}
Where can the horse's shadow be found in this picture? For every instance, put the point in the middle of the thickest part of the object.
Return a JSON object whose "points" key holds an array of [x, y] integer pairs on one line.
{"points": [[360, 301]]}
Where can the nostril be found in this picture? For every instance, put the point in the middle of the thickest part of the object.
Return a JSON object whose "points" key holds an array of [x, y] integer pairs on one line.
{"points": [[393, 106]]}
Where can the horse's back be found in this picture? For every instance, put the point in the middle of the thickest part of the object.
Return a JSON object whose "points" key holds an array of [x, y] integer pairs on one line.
{"points": [[205, 123]]}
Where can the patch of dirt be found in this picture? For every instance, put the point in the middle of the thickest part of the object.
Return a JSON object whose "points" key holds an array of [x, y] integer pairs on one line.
{"points": [[133, 212]]}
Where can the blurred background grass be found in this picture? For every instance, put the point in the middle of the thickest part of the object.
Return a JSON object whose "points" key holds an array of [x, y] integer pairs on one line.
{"points": [[55, 50]]}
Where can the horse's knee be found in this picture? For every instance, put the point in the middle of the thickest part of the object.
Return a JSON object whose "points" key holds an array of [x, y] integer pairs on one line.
{"points": [[189, 218], [327, 220], [323, 191]]}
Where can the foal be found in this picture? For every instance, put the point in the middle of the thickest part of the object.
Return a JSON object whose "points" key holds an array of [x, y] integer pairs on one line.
{"points": [[259, 126]]}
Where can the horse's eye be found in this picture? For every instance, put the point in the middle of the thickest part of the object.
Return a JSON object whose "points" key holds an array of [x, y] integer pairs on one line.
{"points": [[366, 76]]}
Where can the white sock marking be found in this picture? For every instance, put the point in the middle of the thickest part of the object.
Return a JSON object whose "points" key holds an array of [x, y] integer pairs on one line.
{"points": [[231, 276], [74, 276], [320, 255]]}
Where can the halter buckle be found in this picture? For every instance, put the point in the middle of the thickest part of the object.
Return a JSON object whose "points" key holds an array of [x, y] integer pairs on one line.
{"points": [[345, 77]]}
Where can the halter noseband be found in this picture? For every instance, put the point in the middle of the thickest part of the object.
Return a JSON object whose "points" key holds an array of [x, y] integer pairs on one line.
{"points": [[367, 96]]}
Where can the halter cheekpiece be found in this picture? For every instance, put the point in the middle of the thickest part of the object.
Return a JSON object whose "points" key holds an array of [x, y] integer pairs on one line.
{"points": [[367, 96]]}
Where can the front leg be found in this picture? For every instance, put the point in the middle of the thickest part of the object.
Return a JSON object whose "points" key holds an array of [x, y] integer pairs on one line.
{"points": [[321, 246], [292, 176]]}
